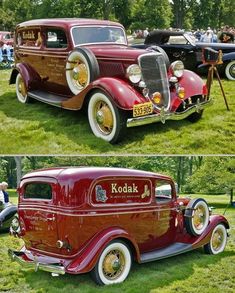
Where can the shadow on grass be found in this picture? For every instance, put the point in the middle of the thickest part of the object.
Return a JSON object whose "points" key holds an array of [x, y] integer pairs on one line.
{"points": [[75, 125], [151, 275]]}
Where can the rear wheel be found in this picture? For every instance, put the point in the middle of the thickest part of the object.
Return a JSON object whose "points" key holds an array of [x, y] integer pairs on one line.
{"points": [[21, 90], [106, 120], [114, 264], [218, 240]]}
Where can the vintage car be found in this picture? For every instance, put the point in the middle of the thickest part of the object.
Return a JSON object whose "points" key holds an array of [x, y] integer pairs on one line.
{"points": [[8, 216], [179, 45], [76, 63], [99, 220]]}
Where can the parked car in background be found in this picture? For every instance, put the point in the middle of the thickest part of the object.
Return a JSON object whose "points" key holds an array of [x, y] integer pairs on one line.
{"points": [[77, 63], [182, 46], [8, 216], [101, 220], [6, 38]]}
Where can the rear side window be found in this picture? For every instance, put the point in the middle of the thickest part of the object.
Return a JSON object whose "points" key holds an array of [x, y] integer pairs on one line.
{"points": [[163, 191], [56, 38], [38, 191]]}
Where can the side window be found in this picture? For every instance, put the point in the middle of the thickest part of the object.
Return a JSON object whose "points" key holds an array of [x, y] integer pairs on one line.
{"points": [[56, 38], [163, 191], [29, 38], [38, 190]]}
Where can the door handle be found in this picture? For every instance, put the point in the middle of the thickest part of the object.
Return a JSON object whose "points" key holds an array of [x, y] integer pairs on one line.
{"points": [[51, 218]]}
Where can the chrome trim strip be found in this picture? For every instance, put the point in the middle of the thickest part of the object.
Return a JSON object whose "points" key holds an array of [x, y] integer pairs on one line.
{"points": [[52, 268], [162, 116]]}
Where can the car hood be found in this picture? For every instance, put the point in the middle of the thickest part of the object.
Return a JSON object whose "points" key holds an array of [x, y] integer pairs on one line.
{"points": [[117, 52]]}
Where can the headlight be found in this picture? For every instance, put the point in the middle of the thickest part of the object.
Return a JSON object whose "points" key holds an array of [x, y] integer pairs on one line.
{"points": [[177, 68], [134, 73]]}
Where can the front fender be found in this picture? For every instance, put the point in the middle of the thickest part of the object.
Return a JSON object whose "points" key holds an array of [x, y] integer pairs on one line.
{"points": [[206, 235], [228, 56], [87, 258], [30, 76], [6, 214], [121, 92], [192, 83]]}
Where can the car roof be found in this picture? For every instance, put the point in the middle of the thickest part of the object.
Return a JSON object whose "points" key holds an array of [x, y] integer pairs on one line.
{"points": [[74, 173], [67, 22], [161, 36]]}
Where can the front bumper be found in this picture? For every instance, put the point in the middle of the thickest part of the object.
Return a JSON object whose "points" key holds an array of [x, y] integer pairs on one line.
{"points": [[25, 261], [162, 116]]}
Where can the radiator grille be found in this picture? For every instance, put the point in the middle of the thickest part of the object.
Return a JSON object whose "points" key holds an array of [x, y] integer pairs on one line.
{"points": [[155, 76]]}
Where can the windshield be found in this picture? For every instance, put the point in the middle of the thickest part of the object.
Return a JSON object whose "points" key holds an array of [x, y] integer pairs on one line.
{"points": [[91, 35]]}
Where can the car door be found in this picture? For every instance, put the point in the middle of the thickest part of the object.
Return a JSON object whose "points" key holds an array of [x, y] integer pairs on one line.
{"points": [[165, 224], [37, 214]]}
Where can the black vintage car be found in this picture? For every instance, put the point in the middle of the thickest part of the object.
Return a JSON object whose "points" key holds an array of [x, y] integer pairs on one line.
{"points": [[8, 215], [180, 45]]}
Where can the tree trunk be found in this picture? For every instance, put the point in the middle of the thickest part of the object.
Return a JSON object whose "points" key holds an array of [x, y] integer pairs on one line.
{"points": [[18, 161]]}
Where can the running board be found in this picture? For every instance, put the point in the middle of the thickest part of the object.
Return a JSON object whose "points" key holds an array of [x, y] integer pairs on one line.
{"points": [[174, 249], [47, 98]]}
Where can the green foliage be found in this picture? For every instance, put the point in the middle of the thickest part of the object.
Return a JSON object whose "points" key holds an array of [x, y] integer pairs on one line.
{"points": [[216, 175]]}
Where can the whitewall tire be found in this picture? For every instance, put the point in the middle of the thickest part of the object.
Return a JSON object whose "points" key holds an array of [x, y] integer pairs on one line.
{"points": [[21, 90], [230, 70], [114, 264], [106, 120], [196, 216], [218, 240]]}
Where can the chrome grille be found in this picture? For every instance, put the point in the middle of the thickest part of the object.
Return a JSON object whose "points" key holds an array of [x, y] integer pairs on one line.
{"points": [[154, 74]]}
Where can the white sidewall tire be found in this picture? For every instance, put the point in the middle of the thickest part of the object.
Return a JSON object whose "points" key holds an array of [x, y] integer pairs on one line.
{"points": [[224, 231], [95, 98], [20, 97], [75, 89], [228, 68], [123, 248], [200, 231], [189, 216]]}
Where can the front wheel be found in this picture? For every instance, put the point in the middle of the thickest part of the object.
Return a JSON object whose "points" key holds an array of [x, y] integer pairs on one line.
{"points": [[21, 90], [114, 264], [106, 120], [230, 70], [218, 240]]}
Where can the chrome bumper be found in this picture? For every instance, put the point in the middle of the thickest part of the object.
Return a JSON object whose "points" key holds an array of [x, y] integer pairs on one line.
{"points": [[162, 116], [23, 260]]}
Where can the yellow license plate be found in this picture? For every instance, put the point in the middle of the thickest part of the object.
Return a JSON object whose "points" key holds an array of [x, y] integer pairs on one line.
{"points": [[142, 109]]}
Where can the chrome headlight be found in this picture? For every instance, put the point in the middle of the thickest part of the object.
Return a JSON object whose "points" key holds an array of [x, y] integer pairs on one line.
{"points": [[134, 73], [177, 68]]}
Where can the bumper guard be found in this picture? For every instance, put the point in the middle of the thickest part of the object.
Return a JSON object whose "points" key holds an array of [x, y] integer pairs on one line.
{"points": [[23, 260], [162, 116]]}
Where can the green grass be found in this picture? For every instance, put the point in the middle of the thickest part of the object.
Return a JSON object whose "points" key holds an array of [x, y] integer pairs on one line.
{"points": [[37, 128], [187, 273]]}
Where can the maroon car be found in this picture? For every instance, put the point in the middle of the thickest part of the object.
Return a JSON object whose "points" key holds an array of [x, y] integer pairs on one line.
{"points": [[75, 63], [100, 220]]}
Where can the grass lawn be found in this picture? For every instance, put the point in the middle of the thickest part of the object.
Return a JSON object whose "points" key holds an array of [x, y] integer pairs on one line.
{"points": [[187, 273], [38, 128]]}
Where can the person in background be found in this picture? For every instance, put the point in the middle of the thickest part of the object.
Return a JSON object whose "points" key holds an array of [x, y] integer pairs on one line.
{"points": [[207, 37], [2, 201], [226, 35], [146, 32], [5, 193]]}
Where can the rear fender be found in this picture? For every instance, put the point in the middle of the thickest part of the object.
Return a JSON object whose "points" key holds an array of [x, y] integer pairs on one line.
{"points": [[122, 94], [88, 257], [30, 76], [206, 235]]}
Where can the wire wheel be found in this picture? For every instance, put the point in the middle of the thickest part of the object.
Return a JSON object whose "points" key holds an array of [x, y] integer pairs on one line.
{"points": [[218, 240], [21, 90], [196, 216], [113, 265]]}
